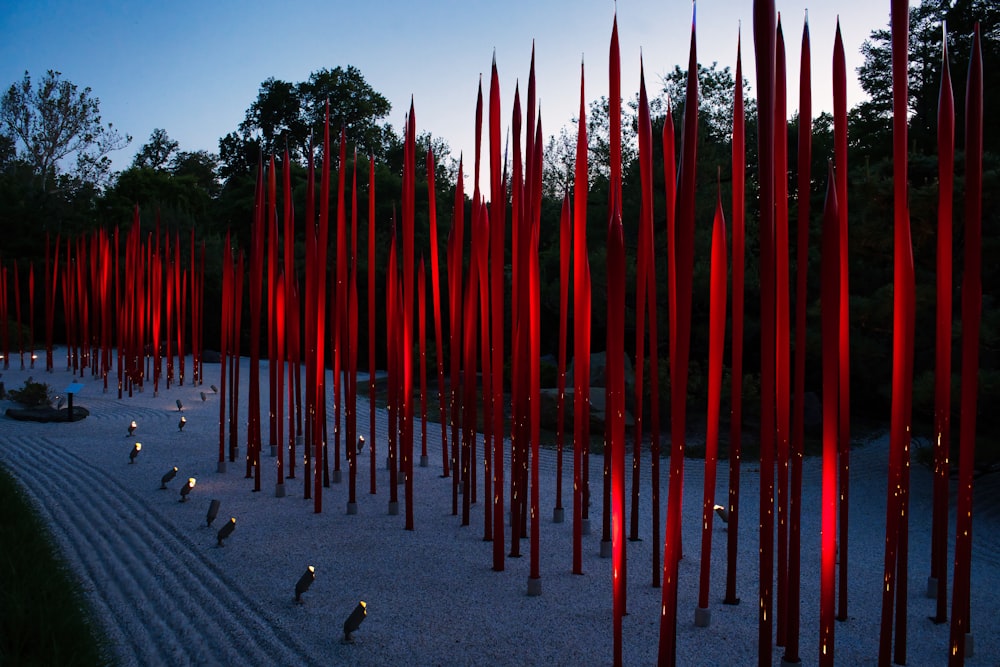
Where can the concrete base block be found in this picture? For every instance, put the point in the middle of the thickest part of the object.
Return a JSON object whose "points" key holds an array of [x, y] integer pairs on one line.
{"points": [[279, 490], [558, 515], [605, 548], [352, 508], [222, 466], [423, 461], [585, 528], [336, 477], [702, 617], [932, 586], [394, 508], [534, 587], [274, 451]]}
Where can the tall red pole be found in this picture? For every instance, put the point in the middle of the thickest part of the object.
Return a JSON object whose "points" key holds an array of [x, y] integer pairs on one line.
{"points": [[844, 386], [942, 365], [972, 296], [371, 321], [436, 304], [716, 347], [736, 365], [829, 315], [616, 419], [680, 339], [497, 224], [670, 190], [895, 573], [409, 169], [764, 48], [581, 331], [565, 243], [782, 332], [422, 335], [799, 363]]}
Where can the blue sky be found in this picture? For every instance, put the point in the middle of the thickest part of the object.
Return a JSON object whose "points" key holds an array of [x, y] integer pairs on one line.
{"points": [[193, 68]]}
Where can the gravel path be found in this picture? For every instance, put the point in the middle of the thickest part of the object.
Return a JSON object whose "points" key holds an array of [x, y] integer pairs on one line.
{"points": [[168, 595]]}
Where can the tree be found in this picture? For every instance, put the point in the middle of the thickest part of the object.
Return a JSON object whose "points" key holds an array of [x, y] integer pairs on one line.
{"points": [[290, 115], [56, 120], [156, 153]]}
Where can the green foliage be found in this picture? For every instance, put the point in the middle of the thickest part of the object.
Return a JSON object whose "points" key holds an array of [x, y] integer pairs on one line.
{"points": [[55, 120], [40, 603], [32, 394]]}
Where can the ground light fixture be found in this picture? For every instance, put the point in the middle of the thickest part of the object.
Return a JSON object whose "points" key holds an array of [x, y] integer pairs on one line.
{"points": [[136, 448], [167, 476], [180, 406], [723, 513], [361, 443], [204, 397], [215, 390], [132, 427], [226, 530], [213, 511], [186, 489], [304, 582], [182, 423], [353, 622]]}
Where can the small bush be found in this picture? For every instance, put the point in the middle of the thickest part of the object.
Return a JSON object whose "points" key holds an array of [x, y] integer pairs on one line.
{"points": [[32, 394]]}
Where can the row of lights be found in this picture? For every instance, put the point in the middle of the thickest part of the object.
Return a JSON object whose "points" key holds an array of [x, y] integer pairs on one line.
{"points": [[359, 613]]}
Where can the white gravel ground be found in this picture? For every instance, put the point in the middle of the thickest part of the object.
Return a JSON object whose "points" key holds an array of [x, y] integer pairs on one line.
{"points": [[167, 595]]}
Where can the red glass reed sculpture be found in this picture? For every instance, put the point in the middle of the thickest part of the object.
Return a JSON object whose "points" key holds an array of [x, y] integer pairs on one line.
{"points": [[830, 315], [716, 347], [792, 609], [581, 332], [942, 357], [679, 347], [972, 296], [736, 352]]}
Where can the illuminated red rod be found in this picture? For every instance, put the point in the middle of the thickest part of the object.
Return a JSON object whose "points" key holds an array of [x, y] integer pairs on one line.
{"points": [[422, 334], [31, 313], [352, 371], [319, 308], [616, 419], [469, 376], [895, 570], [225, 324], [716, 347], [371, 320], [782, 338], [436, 305], [565, 241], [454, 258], [614, 209], [644, 257], [285, 353], [942, 365], [154, 298], [351, 344], [234, 351], [294, 375], [736, 351], [256, 292], [17, 315], [156, 279], [497, 224], [684, 260], [799, 363], [535, 352], [195, 314], [764, 36], [519, 328], [279, 377], [51, 282], [409, 167], [844, 429], [339, 323], [972, 296], [180, 298], [481, 241], [830, 327], [309, 318], [272, 305], [4, 318], [535, 399], [581, 329], [670, 190], [392, 350]]}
